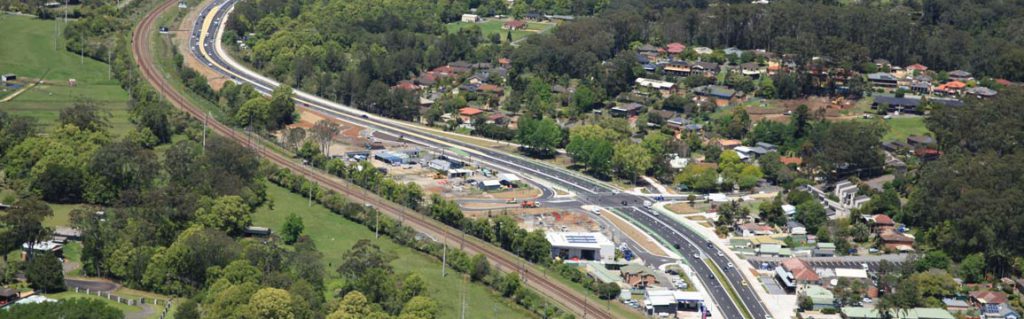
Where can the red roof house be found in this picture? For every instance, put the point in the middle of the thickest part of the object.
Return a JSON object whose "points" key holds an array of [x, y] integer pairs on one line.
{"points": [[675, 48], [917, 67], [514, 25]]}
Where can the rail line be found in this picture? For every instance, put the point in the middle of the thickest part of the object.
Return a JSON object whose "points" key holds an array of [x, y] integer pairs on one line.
{"points": [[532, 276]]}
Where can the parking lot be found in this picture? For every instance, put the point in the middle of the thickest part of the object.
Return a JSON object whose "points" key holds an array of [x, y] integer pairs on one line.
{"points": [[769, 263]]}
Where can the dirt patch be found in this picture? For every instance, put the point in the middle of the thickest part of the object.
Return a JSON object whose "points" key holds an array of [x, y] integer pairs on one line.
{"points": [[638, 236], [518, 193], [682, 208], [819, 107]]}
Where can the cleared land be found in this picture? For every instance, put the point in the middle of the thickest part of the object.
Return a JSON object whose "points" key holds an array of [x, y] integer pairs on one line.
{"points": [[28, 51], [334, 235], [492, 26]]}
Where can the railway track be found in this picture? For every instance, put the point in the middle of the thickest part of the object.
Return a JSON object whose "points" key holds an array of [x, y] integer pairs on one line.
{"points": [[532, 276]]}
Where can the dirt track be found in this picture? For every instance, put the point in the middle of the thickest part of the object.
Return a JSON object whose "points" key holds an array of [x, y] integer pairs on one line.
{"points": [[505, 261]]}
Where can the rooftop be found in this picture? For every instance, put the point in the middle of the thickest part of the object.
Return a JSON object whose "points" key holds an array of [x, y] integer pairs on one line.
{"points": [[578, 239]]}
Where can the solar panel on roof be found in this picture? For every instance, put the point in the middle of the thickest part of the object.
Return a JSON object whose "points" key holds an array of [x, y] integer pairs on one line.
{"points": [[581, 239]]}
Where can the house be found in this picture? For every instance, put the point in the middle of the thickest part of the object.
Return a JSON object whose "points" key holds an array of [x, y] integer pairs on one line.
{"points": [[677, 68], [821, 298], [927, 154], [824, 249], [497, 118], [852, 274], [751, 69], [960, 75], [981, 92], [627, 110], [733, 51], [883, 79], [406, 85], [921, 87], [709, 69], [514, 25], [917, 67], [796, 228], [677, 122], [675, 48], [750, 152], [897, 241], [956, 305], [847, 193], [951, 87], [795, 272], [648, 50], [880, 223], [791, 161], [789, 210], [660, 300], [466, 114], [703, 50], [920, 140], [7, 296], [470, 18], [664, 87], [896, 104], [639, 276], [8, 77], [752, 229], [882, 63], [491, 88], [722, 95], [43, 247], [68, 233], [728, 144], [993, 305]]}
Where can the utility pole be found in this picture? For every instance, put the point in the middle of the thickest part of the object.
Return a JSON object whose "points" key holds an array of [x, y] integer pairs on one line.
{"points": [[376, 229], [110, 70], [81, 54], [444, 256], [206, 119]]}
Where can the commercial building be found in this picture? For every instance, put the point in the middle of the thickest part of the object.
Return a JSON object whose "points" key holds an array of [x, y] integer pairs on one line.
{"points": [[580, 245]]}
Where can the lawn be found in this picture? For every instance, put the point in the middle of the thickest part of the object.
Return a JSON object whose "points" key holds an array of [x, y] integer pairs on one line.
{"points": [[902, 127], [28, 51], [491, 26], [334, 235]]}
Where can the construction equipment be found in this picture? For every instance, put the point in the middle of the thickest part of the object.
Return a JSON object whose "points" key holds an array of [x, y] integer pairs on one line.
{"points": [[529, 204]]}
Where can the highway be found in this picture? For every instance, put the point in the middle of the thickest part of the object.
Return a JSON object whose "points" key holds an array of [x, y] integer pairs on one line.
{"points": [[692, 247]]}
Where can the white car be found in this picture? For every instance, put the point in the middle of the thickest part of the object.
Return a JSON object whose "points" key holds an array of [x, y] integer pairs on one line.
{"points": [[720, 254], [730, 265], [648, 203]]}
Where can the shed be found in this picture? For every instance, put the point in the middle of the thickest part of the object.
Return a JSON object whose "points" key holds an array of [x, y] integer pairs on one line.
{"points": [[257, 231], [490, 184]]}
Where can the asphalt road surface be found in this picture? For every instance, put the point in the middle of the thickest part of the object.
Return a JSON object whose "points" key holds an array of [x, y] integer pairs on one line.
{"points": [[589, 191]]}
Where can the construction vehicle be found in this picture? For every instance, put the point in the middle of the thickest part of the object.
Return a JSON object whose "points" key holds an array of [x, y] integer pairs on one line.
{"points": [[529, 204], [511, 201]]}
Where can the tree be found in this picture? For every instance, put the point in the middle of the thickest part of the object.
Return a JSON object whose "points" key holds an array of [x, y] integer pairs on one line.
{"points": [[292, 228], [23, 224], [271, 303], [934, 259], [227, 213], [860, 232], [631, 159], [324, 132], [972, 267], [45, 273], [446, 211], [281, 108], [85, 114], [188, 309], [592, 146], [772, 213], [295, 137], [479, 267], [120, 167], [811, 214], [847, 148], [254, 112], [932, 286], [698, 178], [420, 307], [73, 308], [585, 99], [540, 136]]}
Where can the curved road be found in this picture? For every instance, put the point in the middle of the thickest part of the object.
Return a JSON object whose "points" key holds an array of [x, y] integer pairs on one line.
{"points": [[694, 249], [532, 275]]}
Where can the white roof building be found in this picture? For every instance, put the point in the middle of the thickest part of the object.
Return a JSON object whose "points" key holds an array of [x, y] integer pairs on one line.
{"points": [[581, 245], [853, 273], [655, 84]]}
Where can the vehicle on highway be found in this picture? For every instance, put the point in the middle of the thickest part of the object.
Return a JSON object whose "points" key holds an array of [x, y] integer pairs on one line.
{"points": [[675, 245], [648, 203], [730, 265], [720, 254], [696, 256]]}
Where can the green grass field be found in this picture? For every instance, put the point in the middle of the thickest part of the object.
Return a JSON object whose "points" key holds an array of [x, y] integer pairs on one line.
{"points": [[492, 26], [334, 235], [902, 127], [28, 50]]}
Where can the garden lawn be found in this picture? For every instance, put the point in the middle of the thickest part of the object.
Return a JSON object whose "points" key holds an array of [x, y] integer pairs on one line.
{"points": [[902, 127], [334, 235], [492, 26], [28, 51]]}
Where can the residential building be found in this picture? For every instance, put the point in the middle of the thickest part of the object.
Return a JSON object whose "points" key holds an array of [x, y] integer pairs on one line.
{"points": [[471, 18], [795, 228], [956, 305], [675, 48], [897, 241], [639, 276], [727, 144], [824, 249], [514, 25], [752, 229], [664, 87], [981, 92], [847, 193], [960, 75], [580, 245], [879, 223], [722, 95], [466, 114], [796, 272], [627, 110], [897, 104], [913, 313], [821, 298], [661, 300], [883, 79]]}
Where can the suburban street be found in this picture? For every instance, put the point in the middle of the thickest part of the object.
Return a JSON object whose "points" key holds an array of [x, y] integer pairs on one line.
{"points": [[693, 248]]}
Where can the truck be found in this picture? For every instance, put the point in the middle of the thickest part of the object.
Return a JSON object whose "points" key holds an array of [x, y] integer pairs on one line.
{"points": [[529, 204]]}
